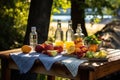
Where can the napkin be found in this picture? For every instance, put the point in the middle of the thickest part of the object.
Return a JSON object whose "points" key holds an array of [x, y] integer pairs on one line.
{"points": [[48, 60], [24, 61], [72, 64]]}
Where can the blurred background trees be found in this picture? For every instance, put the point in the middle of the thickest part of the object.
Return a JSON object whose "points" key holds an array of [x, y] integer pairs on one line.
{"points": [[13, 20], [14, 15]]}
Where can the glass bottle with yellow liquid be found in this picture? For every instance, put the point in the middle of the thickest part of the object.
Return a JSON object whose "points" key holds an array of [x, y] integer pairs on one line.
{"points": [[59, 34], [69, 44]]}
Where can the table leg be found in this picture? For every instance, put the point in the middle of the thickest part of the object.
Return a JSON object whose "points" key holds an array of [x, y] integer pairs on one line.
{"points": [[91, 75], [50, 77], [5, 71]]}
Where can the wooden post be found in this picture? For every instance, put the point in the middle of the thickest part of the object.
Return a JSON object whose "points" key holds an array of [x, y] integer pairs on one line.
{"points": [[5, 71]]}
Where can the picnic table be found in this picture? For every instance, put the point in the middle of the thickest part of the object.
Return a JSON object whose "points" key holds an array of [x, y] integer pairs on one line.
{"points": [[89, 70]]}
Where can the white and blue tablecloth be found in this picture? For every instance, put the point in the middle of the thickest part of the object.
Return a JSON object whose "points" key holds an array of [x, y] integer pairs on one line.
{"points": [[26, 61]]}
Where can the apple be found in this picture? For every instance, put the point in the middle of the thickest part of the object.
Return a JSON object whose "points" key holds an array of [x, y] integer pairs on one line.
{"points": [[39, 48], [52, 52], [58, 48], [49, 47]]}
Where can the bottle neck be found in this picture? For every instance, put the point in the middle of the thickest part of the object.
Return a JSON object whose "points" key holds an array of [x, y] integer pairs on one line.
{"points": [[59, 25]]}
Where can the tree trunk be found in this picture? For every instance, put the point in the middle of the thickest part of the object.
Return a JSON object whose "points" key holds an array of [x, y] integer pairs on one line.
{"points": [[39, 16], [78, 15]]}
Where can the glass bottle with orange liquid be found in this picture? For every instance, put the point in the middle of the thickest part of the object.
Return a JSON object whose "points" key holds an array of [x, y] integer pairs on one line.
{"points": [[59, 35]]}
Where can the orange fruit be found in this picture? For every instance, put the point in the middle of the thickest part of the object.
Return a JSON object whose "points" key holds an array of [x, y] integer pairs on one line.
{"points": [[26, 48], [93, 47], [78, 45]]}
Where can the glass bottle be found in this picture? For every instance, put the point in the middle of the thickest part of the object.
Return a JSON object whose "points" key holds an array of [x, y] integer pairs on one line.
{"points": [[79, 36], [59, 34], [69, 44], [33, 37], [69, 32], [80, 31]]}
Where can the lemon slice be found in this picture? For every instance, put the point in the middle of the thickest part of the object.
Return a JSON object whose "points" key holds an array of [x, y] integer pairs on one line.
{"points": [[71, 50]]}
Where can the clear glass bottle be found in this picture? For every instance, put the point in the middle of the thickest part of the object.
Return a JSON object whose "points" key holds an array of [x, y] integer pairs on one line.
{"points": [[69, 32], [33, 37], [79, 33], [79, 36], [59, 34]]}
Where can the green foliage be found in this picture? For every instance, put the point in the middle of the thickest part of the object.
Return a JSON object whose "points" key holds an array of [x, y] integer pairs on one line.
{"points": [[103, 6], [13, 22], [92, 39], [60, 4]]}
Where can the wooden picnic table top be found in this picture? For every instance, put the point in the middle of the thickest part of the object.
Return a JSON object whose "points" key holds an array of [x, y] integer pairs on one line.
{"points": [[90, 70]]}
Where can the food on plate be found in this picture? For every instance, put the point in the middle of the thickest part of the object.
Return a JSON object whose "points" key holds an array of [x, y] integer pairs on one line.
{"points": [[103, 54], [69, 44], [89, 54], [93, 47], [49, 47], [78, 42], [98, 54], [70, 49], [26, 49], [52, 52], [58, 48], [80, 51], [39, 48], [59, 43]]}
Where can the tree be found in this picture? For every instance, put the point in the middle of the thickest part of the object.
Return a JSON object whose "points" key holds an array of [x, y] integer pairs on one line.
{"points": [[78, 14], [12, 23], [39, 16]]}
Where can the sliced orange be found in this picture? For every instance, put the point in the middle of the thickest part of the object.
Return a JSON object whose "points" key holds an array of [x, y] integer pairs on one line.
{"points": [[71, 49], [59, 43]]}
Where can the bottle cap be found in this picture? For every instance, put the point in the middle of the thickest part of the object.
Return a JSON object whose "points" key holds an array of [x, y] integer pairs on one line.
{"points": [[33, 28]]}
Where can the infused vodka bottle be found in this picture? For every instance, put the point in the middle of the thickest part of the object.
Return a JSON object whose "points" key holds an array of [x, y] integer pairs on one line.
{"points": [[69, 32], [59, 34], [33, 37]]}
